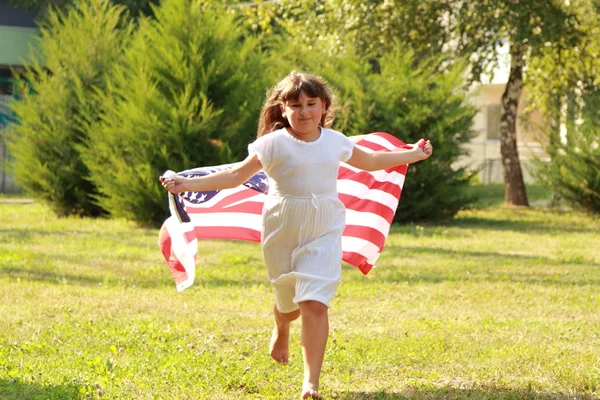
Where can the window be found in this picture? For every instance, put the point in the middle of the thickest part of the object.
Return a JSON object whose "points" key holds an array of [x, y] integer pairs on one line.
{"points": [[493, 122], [6, 86]]}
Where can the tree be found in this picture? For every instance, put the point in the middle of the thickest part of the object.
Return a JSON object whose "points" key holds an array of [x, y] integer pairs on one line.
{"points": [[187, 94], [530, 27], [562, 72], [412, 100], [574, 171], [372, 27], [569, 94], [456, 28], [77, 52]]}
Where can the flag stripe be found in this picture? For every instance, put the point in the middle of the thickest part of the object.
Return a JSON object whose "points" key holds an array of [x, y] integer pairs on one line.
{"points": [[372, 234], [368, 179], [221, 232], [357, 260], [252, 207], [361, 246], [357, 189], [391, 175], [367, 219], [231, 220], [365, 205], [389, 142]]}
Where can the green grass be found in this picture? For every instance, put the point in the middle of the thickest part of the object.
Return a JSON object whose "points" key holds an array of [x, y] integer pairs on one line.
{"points": [[492, 194], [500, 303]]}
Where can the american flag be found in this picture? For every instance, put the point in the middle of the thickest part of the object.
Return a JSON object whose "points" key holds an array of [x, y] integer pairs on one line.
{"points": [[371, 199]]}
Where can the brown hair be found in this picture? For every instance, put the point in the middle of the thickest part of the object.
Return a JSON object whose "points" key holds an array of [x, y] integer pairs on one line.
{"points": [[290, 88]]}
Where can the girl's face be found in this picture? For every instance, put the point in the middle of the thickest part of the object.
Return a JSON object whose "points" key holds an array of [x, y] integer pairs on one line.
{"points": [[304, 115]]}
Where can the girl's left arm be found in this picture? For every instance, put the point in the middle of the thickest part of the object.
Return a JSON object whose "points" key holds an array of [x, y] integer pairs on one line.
{"points": [[388, 159]]}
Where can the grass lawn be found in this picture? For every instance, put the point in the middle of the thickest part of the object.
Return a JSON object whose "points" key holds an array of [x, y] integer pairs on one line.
{"points": [[500, 303]]}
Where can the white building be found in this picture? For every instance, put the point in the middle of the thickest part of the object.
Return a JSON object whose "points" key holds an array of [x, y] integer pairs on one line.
{"points": [[484, 149]]}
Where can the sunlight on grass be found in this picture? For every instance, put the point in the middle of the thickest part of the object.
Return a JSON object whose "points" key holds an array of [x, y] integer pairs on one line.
{"points": [[500, 303], [492, 194]]}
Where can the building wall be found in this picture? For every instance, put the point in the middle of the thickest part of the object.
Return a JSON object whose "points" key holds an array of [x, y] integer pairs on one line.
{"points": [[10, 16], [15, 45], [17, 39], [484, 149]]}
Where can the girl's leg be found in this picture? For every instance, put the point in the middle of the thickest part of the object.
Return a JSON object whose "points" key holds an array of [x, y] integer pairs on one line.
{"points": [[315, 331], [280, 340]]}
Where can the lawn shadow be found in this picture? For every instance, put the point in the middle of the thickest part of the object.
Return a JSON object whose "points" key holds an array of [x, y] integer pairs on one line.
{"points": [[521, 226], [20, 235], [451, 393], [45, 275], [536, 259], [15, 389], [162, 280], [489, 224], [481, 269], [221, 282]]}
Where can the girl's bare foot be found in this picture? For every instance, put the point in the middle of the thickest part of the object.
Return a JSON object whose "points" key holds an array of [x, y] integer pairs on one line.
{"points": [[280, 340], [279, 347], [310, 391]]}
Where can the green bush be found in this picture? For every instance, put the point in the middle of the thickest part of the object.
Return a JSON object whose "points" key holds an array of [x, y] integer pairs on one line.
{"points": [[573, 172], [188, 95], [414, 100], [77, 51]]}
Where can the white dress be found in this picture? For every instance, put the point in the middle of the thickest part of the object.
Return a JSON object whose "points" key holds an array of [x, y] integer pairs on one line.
{"points": [[303, 219]]}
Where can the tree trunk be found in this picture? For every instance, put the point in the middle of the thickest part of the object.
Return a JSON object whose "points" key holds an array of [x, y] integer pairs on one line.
{"points": [[514, 186]]}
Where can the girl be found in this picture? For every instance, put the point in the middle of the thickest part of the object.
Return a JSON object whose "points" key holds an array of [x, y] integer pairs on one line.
{"points": [[303, 219]]}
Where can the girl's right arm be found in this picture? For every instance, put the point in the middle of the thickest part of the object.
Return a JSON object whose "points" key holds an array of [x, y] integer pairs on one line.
{"points": [[219, 180]]}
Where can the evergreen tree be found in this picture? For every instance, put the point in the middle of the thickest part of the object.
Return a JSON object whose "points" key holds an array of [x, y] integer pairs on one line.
{"points": [[573, 168], [188, 95], [412, 101], [77, 51]]}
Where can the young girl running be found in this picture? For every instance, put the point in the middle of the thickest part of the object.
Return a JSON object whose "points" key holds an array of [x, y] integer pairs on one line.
{"points": [[303, 219]]}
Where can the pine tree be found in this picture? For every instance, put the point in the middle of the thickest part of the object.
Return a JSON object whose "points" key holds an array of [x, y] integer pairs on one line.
{"points": [[188, 95], [572, 169], [78, 49], [412, 101]]}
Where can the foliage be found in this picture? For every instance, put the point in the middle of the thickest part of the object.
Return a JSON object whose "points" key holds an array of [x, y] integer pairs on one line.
{"points": [[135, 8], [187, 95], [474, 29], [560, 39], [529, 28], [573, 168], [497, 304], [78, 50], [492, 195], [565, 79], [555, 35], [482, 27], [349, 26], [414, 101]]}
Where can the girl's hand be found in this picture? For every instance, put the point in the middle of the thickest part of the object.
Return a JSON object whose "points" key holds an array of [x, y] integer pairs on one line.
{"points": [[424, 149], [174, 184]]}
